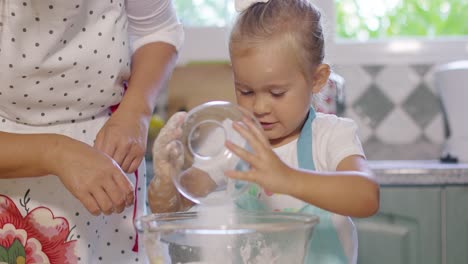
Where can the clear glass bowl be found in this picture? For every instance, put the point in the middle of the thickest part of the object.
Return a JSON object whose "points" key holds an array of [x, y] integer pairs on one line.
{"points": [[243, 237], [200, 157]]}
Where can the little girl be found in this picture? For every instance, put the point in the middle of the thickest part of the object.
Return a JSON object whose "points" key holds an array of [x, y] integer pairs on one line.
{"points": [[302, 161]]}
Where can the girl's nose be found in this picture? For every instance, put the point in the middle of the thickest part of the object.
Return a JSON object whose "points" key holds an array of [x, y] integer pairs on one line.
{"points": [[261, 106]]}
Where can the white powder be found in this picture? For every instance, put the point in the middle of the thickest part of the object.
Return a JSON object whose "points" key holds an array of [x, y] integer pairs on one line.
{"points": [[217, 217], [243, 248]]}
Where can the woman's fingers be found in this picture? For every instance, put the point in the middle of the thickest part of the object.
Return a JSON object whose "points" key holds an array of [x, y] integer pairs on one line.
{"points": [[135, 163], [102, 143], [132, 159], [103, 200], [125, 187], [121, 153], [90, 204]]}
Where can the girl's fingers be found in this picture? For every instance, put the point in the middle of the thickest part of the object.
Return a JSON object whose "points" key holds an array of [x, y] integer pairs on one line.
{"points": [[256, 131], [247, 134], [242, 153], [239, 175]]}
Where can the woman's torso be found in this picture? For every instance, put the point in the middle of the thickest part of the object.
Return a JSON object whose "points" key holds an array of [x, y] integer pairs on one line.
{"points": [[63, 64], [61, 60]]}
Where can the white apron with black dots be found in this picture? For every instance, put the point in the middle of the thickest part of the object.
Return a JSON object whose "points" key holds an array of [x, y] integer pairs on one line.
{"points": [[62, 66]]}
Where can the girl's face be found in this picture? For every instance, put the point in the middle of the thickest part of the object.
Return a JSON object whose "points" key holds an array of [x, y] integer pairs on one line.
{"points": [[269, 83]]}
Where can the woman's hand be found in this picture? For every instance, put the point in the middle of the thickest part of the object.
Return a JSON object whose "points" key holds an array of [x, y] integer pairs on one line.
{"points": [[123, 137], [91, 176], [167, 160], [266, 168]]}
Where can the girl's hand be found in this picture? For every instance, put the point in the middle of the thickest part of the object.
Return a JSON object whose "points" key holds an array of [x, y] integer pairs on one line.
{"points": [[92, 177], [266, 168], [123, 137]]}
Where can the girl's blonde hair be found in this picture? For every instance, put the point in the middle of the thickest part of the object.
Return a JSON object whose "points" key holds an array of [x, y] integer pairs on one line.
{"points": [[298, 22]]}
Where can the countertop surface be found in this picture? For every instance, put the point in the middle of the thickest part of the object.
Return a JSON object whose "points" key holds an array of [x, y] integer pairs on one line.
{"points": [[419, 172]]}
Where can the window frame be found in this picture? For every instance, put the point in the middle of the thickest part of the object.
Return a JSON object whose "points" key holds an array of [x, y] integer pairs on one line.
{"points": [[396, 51]]}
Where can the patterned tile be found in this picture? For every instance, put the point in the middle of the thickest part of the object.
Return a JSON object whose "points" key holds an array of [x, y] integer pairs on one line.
{"points": [[422, 105], [397, 82], [421, 69], [397, 109], [435, 130], [373, 106], [398, 128], [356, 81], [429, 80], [373, 70], [364, 131]]}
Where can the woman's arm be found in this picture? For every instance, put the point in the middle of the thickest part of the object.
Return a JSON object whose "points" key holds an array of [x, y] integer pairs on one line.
{"points": [[25, 155], [90, 175], [124, 136], [155, 35]]}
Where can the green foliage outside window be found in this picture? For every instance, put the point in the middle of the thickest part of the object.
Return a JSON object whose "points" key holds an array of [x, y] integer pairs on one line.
{"points": [[402, 18], [357, 19]]}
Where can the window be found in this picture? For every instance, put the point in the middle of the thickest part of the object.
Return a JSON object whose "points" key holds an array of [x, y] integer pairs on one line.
{"points": [[359, 31], [196, 13], [383, 19]]}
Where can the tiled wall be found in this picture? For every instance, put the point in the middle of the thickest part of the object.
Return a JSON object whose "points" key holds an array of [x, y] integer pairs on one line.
{"points": [[397, 108]]}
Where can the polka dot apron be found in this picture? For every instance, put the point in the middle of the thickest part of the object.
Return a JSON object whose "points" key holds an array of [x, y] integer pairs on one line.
{"points": [[62, 66]]}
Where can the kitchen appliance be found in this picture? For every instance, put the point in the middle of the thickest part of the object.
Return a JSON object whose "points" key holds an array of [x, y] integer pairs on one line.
{"points": [[451, 81], [241, 238]]}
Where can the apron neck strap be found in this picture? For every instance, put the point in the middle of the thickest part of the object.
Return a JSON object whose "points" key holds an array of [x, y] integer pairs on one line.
{"points": [[304, 143]]}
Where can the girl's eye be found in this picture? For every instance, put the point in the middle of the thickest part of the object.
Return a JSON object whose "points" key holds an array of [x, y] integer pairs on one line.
{"points": [[277, 94], [245, 92]]}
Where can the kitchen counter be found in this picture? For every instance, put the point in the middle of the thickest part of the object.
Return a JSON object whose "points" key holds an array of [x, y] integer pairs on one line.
{"points": [[419, 172]]}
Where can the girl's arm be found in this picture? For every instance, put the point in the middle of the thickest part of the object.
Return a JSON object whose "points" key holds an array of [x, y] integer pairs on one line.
{"points": [[349, 191]]}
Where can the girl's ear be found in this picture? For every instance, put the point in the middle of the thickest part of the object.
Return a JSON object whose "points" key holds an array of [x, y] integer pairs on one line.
{"points": [[320, 77]]}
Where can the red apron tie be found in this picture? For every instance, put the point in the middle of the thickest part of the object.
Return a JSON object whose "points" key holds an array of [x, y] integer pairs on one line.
{"points": [[135, 246]]}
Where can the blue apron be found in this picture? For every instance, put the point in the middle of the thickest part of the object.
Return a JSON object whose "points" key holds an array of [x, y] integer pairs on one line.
{"points": [[325, 246]]}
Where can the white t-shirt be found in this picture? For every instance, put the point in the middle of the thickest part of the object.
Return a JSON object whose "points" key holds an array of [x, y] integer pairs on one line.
{"points": [[333, 139], [62, 65]]}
